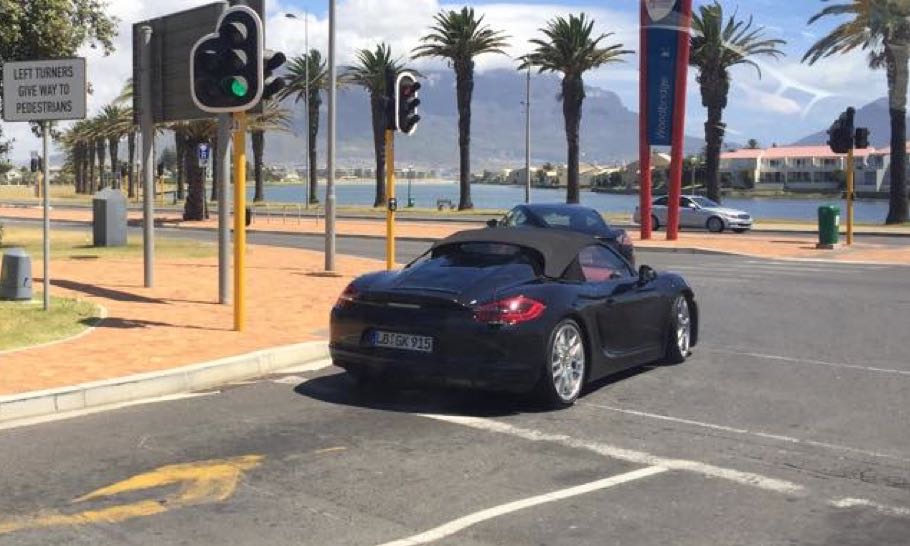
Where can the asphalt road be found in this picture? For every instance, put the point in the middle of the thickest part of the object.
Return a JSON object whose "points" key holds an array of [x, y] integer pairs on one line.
{"points": [[789, 425]]}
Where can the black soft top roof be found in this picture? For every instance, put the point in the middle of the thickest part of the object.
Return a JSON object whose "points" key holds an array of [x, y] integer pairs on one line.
{"points": [[557, 247]]}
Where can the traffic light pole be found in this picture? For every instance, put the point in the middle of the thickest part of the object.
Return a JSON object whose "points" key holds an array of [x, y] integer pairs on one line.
{"points": [[224, 238], [850, 197], [390, 195], [239, 153]]}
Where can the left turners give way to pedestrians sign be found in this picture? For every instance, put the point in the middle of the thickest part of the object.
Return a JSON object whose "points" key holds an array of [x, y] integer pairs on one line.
{"points": [[46, 90]]}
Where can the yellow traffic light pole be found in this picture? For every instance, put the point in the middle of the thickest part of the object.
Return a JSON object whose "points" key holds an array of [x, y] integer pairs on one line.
{"points": [[850, 196], [390, 196], [239, 152]]}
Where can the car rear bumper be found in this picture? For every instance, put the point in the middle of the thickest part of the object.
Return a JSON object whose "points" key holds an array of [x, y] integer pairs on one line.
{"points": [[465, 353]]}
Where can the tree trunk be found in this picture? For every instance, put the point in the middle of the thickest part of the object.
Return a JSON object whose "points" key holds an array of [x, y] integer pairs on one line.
{"points": [[180, 149], [90, 148], [376, 106], [114, 146], [464, 88], [194, 206], [573, 96], [314, 132], [714, 138], [99, 148], [258, 142], [897, 58], [131, 159]]}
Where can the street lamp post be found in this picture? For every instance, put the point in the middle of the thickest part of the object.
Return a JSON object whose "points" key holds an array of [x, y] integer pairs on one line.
{"points": [[330, 159], [410, 177]]}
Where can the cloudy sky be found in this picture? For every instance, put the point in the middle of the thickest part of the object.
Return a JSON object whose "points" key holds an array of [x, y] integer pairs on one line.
{"points": [[788, 102]]}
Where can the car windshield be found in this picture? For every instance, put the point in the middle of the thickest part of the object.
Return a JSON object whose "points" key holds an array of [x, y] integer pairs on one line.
{"points": [[704, 202], [580, 219]]}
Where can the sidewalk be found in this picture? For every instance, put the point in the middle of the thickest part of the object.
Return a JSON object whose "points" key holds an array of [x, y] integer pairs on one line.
{"points": [[756, 244], [179, 322]]}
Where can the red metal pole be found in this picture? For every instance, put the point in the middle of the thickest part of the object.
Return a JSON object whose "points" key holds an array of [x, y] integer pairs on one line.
{"points": [[679, 122], [644, 148]]}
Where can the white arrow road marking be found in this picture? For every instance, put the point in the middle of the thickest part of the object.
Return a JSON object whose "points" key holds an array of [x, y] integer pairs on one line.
{"points": [[462, 523]]}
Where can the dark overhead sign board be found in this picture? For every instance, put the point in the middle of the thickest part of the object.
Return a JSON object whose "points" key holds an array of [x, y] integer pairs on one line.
{"points": [[173, 37]]}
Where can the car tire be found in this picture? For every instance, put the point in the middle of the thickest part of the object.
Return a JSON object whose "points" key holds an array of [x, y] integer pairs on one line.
{"points": [[679, 334], [655, 225], [565, 366], [715, 224]]}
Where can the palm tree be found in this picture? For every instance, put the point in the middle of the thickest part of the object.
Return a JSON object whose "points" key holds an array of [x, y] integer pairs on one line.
{"points": [[313, 66], [116, 121], [370, 72], [882, 28], [716, 47], [126, 99], [571, 48], [458, 37], [192, 134], [272, 118]]}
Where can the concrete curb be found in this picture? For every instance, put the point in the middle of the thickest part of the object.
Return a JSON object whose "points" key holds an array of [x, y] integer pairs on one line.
{"points": [[150, 385]]}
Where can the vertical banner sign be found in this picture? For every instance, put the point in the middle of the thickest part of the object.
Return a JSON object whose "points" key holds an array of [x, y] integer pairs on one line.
{"points": [[665, 52], [662, 26]]}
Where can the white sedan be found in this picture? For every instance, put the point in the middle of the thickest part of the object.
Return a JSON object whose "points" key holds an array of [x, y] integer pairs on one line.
{"points": [[699, 212]]}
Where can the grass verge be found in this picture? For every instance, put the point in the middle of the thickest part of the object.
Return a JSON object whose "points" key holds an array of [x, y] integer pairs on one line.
{"points": [[24, 324], [78, 245]]}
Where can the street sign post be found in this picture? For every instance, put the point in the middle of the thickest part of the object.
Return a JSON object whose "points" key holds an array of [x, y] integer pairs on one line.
{"points": [[43, 91], [203, 152]]}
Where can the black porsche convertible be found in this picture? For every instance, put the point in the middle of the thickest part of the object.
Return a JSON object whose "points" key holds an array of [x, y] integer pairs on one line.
{"points": [[522, 310]]}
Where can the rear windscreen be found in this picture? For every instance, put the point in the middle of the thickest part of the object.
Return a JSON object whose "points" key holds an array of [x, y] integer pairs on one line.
{"points": [[487, 255]]}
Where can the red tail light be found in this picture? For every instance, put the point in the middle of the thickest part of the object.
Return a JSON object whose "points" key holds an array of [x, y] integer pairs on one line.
{"points": [[350, 294], [509, 311]]}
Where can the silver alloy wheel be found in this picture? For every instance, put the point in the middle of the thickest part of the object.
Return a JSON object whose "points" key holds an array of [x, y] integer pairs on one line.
{"points": [[683, 325], [567, 362], [715, 224]]}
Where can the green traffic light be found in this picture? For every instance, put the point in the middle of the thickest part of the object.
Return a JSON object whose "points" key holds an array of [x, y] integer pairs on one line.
{"points": [[238, 87]]}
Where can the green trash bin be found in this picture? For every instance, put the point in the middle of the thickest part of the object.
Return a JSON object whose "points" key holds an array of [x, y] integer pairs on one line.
{"points": [[828, 226]]}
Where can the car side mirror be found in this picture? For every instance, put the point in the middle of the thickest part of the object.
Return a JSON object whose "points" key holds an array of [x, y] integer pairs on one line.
{"points": [[493, 222], [646, 275]]}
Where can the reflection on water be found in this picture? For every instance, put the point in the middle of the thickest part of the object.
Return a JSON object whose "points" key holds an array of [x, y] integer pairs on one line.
{"points": [[503, 197]]}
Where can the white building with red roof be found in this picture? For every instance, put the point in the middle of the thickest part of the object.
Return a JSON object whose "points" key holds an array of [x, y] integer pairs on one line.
{"points": [[803, 169]]}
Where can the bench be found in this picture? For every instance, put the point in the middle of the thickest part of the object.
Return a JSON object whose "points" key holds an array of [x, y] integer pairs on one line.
{"points": [[442, 204]]}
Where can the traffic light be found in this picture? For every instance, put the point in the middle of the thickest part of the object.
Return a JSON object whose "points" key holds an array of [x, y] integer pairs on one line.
{"points": [[35, 165], [840, 135], [862, 138], [272, 84], [406, 102], [226, 68]]}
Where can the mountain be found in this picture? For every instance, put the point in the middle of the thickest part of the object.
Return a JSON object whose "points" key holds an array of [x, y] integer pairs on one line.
{"points": [[609, 129], [874, 116]]}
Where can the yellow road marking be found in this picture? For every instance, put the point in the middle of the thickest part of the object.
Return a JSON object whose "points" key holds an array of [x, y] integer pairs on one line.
{"points": [[201, 482]]}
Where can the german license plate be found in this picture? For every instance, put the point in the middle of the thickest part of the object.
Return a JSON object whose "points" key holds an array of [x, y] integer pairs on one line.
{"points": [[406, 342]]}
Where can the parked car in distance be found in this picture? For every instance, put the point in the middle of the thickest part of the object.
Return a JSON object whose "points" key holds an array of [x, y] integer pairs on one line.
{"points": [[527, 310], [572, 218], [699, 212]]}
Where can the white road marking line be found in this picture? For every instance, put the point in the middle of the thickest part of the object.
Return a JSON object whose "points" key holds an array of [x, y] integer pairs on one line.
{"points": [[865, 503], [843, 266], [722, 428], [638, 457], [462, 523], [775, 358], [80, 413]]}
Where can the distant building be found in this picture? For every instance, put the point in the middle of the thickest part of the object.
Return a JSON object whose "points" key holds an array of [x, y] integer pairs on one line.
{"points": [[803, 169]]}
